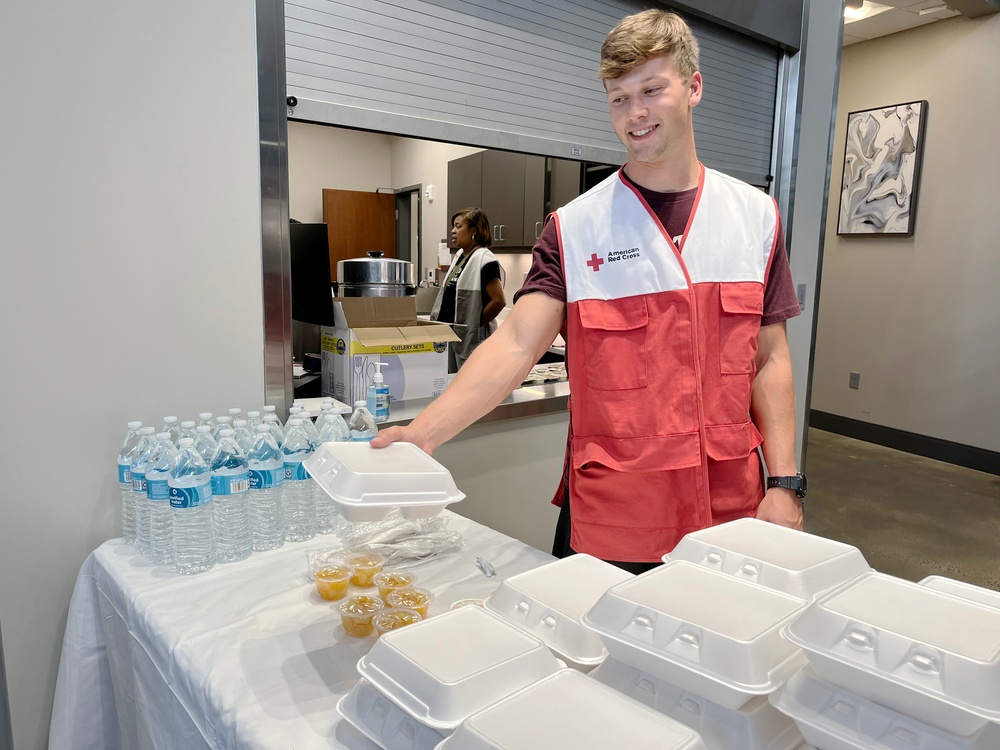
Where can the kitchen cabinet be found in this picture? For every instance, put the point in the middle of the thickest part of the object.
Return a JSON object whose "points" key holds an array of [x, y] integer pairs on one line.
{"points": [[511, 188]]}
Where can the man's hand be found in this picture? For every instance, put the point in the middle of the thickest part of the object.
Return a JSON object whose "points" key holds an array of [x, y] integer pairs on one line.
{"points": [[781, 507], [404, 434]]}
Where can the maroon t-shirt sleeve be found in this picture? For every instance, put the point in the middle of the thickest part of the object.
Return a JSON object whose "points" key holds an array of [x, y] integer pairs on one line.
{"points": [[545, 274], [780, 302]]}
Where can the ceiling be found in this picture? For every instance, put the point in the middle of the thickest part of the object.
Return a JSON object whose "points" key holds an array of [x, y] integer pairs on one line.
{"points": [[889, 16]]}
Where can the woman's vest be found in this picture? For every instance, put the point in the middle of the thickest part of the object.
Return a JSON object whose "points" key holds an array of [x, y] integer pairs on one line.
{"points": [[468, 304], [661, 361]]}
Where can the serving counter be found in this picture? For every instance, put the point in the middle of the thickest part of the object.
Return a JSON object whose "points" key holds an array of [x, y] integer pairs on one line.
{"points": [[244, 656]]}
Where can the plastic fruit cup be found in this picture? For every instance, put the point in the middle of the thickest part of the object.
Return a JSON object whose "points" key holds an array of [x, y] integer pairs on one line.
{"points": [[415, 599], [366, 565], [390, 580], [467, 603], [393, 619], [356, 614], [331, 581]]}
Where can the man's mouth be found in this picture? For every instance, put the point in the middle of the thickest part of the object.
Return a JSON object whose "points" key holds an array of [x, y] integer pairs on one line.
{"points": [[642, 132]]}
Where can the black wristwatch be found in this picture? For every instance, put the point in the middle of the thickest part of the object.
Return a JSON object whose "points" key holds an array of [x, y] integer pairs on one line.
{"points": [[797, 483]]}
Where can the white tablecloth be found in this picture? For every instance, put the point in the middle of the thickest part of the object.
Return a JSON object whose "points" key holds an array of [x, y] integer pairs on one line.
{"points": [[246, 655]]}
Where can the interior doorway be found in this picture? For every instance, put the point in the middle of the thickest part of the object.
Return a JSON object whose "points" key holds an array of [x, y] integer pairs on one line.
{"points": [[409, 221]]}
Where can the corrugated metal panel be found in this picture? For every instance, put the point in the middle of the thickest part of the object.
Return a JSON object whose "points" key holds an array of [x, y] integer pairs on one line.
{"points": [[521, 67]]}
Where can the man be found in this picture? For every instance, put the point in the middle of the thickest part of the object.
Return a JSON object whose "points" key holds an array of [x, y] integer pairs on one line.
{"points": [[671, 286]]}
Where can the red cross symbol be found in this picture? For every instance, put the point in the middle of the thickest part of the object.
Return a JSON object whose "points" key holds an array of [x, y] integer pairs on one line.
{"points": [[595, 262]]}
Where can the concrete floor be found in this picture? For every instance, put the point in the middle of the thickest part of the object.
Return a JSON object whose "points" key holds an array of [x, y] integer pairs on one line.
{"points": [[910, 516]]}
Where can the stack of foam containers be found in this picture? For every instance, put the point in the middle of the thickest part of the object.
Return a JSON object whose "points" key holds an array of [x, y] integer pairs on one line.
{"points": [[419, 682], [569, 710], [549, 601], [699, 639], [896, 665]]}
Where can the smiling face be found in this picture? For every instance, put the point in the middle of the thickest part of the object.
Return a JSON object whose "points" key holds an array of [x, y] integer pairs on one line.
{"points": [[651, 113]]}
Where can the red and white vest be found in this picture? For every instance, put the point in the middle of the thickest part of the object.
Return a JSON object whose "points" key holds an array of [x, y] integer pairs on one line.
{"points": [[661, 361]]}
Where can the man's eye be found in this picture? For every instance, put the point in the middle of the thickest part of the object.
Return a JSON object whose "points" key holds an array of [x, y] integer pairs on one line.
{"points": [[653, 90]]}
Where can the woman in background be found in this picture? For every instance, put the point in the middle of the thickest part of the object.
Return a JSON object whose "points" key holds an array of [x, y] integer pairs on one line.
{"points": [[472, 294]]}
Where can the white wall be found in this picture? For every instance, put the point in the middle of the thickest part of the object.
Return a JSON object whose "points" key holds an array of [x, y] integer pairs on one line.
{"points": [[918, 317], [130, 207], [333, 158]]}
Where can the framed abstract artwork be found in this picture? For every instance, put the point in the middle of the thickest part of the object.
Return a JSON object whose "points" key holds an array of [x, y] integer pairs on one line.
{"points": [[878, 193]]}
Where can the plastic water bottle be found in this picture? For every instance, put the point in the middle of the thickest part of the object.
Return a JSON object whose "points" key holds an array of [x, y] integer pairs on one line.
{"points": [[125, 455], [204, 443], [362, 423], [269, 409], [221, 423], [205, 417], [267, 476], [187, 429], [307, 424], [277, 432], [191, 502], [300, 487], [161, 522], [333, 429], [253, 419], [230, 498], [243, 435], [146, 444], [235, 413], [170, 425]]}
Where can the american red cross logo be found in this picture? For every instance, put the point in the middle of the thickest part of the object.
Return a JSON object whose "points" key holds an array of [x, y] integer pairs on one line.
{"points": [[595, 262]]}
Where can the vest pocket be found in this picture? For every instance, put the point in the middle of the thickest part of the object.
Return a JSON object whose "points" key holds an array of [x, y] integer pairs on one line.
{"points": [[614, 342], [742, 305]]}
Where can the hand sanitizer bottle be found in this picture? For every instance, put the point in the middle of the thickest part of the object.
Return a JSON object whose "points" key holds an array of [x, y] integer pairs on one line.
{"points": [[378, 395]]}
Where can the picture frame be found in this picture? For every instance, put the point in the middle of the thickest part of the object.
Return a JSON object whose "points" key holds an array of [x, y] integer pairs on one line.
{"points": [[879, 184]]}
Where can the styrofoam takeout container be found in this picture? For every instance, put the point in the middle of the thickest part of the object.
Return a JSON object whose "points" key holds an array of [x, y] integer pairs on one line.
{"points": [[570, 710], [700, 629], [908, 647], [443, 669], [801, 564], [366, 483], [989, 597], [383, 722], [550, 600], [757, 725], [836, 719]]}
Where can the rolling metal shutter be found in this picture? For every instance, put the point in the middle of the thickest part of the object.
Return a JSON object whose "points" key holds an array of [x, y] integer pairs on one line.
{"points": [[515, 74]]}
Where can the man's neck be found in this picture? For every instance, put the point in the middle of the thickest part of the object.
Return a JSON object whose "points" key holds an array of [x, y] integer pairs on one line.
{"points": [[664, 177]]}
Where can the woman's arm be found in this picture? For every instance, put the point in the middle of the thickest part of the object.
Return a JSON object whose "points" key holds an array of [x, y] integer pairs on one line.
{"points": [[497, 301]]}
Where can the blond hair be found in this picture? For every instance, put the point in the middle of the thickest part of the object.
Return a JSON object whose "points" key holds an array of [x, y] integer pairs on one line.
{"points": [[641, 36]]}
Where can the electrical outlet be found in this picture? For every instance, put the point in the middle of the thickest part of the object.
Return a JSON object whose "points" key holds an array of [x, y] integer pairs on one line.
{"points": [[855, 381]]}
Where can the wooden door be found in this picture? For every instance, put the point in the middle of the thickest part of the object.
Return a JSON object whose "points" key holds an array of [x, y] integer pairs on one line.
{"points": [[358, 222]]}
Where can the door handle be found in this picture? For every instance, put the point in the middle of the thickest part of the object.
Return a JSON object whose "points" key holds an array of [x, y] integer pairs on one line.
{"points": [[538, 229]]}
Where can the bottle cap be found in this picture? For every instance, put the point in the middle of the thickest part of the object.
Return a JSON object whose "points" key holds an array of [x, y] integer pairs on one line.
{"points": [[253, 414], [187, 423], [169, 420], [163, 436], [270, 418], [269, 407], [226, 432], [134, 425], [224, 420], [360, 403], [234, 411], [263, 428], [239, 423], [378, 377], [147, 430], [185, 442], [205, 415], [294, 422]]}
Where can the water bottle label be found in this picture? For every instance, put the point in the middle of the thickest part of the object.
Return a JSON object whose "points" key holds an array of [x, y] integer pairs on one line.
{"points": [[157, 489], [138, 482], [190, 497], [231, 484], [295, 471], [264, 479], [361, 437], [125, 475]]}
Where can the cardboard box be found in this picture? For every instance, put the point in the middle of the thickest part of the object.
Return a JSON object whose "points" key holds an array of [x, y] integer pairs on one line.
{"points": [[367, 330]]}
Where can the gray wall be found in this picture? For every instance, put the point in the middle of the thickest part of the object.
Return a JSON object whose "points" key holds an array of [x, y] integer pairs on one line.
{"points": [[130, 207], [919, 317]]}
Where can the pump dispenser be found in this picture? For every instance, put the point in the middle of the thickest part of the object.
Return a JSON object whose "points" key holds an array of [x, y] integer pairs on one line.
{"points": [[378, 395]]}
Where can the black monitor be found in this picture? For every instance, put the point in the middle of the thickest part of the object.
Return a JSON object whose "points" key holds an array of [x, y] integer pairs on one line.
{"points": [[312, 298]]}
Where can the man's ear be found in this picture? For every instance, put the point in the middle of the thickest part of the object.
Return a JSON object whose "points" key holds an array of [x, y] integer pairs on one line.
{"points": [[694, 89]]}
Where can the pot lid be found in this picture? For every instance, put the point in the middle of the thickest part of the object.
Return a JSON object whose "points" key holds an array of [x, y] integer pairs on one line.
{"points": [[375, 269]]}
